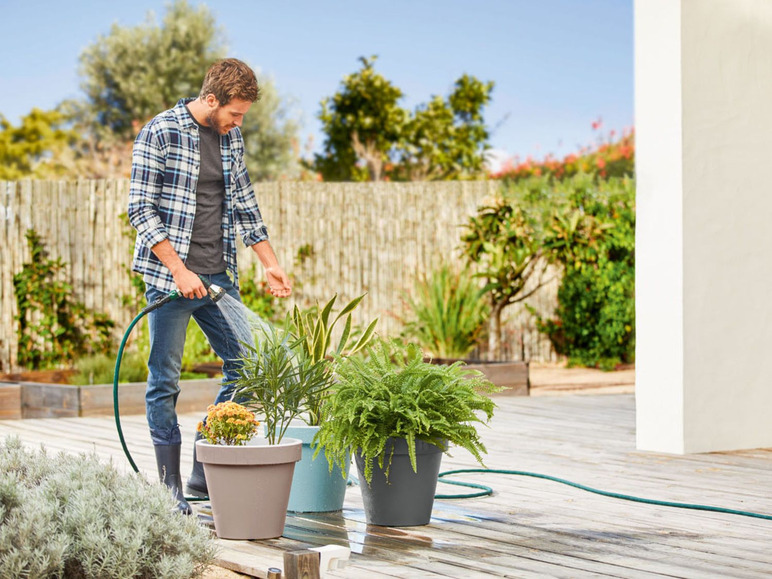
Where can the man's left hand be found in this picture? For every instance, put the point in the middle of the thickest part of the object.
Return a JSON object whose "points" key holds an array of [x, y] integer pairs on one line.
{"points": [[278, 282]]}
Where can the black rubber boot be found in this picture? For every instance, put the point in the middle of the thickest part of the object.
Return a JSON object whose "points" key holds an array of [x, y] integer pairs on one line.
{"points": [[196, 485], [167, 458]]}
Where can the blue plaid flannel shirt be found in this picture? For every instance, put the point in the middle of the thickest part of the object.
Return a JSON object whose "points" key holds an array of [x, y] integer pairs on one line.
{"points": [[162, 195]]}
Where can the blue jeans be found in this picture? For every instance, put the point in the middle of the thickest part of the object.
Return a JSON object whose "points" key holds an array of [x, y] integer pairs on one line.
{"points": [[168, 326]]}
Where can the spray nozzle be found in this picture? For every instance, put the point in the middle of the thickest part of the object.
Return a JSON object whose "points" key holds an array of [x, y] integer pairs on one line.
{"points": [[214, 290]]}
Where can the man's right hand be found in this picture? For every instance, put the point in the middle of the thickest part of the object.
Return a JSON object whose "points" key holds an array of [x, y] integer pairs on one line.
{"points": [[189, 284]]}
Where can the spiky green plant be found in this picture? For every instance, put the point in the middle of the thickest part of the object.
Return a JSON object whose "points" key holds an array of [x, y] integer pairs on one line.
{"points": [[391, 395], [314, 330], [278, 377], [447, 313]]}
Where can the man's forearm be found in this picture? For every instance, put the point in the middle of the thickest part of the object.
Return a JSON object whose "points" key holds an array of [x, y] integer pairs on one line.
{"points": [[265, 254], [279, 283], [168, 256], [188, 283]]}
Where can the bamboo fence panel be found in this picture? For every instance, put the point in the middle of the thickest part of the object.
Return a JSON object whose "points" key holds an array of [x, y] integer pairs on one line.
{"points": [[362, 237]]}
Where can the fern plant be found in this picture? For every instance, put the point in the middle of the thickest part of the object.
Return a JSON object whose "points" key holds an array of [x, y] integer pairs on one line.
{"points": [[393, 394]]}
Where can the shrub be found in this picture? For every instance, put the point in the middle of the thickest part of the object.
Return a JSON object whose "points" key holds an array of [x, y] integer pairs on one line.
{"points": [[613, 157], [72, 516], [594, 241], [394, 393], [53, 328]]}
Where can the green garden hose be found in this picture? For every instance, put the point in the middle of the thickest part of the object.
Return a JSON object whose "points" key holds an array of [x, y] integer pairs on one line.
{"points": [[488, 491], [116, 409]]}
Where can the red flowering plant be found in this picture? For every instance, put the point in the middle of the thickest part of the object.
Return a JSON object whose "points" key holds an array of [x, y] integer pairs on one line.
{"points": [[229, 424], [611, 157]]}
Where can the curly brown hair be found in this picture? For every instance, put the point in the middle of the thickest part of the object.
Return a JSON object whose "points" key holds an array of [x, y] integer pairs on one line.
{"points": [[229, 79]]}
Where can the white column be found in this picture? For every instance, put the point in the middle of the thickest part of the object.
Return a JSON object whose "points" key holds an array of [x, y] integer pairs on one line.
{"points": [[703, 101]]}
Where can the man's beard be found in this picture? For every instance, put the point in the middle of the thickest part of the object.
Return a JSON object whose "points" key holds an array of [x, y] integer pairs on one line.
{"points": [[214, 122]]}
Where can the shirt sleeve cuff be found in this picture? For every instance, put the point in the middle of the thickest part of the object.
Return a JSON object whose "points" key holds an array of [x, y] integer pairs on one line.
{"points": [[256, 236]]}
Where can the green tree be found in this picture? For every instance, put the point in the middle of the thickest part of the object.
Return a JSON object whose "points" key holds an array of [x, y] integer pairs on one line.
{"points": [[362, 122], [447, 139], [36, 147], [504, 242], [368, 136], [133, 73]]}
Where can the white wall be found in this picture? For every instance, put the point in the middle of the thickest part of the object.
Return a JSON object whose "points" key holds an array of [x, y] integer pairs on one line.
{"points": [[704, 237]]}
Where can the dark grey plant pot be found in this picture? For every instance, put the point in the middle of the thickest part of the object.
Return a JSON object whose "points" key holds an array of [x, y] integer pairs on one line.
{"points": [[406, 499]]}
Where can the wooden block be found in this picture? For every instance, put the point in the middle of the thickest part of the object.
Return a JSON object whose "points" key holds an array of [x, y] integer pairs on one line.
{"points": [[49, 400], [10, 401], [273, 573], [301, 564]]}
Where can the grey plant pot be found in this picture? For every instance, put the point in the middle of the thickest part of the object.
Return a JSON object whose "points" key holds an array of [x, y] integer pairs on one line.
{"points": [[407, 497]]}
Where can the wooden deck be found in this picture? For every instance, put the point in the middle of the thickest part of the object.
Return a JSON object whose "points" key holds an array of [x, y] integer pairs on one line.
{"points": [[529, 527]]}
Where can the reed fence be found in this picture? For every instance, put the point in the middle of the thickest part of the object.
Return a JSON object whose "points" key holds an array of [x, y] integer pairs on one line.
{"points": [[356, 237]]}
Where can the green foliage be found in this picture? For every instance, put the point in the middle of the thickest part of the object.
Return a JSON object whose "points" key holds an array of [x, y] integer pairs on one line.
{"points": [[503, 241], [401, 396], [593, 239], [446, 139], [277, 379], [100, 369], [314, 331], [368, 136], [446, 315], [361, 121], [72, 516], [34, 149], [53, 328], [133, 73]]}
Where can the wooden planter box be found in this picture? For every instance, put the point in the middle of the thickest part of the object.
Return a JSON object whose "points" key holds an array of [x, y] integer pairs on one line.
{"points": [[10, 401], [38, 400], [512, 375]]}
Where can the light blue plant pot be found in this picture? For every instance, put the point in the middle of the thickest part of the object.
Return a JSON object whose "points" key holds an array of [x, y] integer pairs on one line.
{"points": [[314, 488]]}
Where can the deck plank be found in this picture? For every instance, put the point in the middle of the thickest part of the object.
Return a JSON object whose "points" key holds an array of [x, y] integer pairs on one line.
{"points": [[529, 527]]}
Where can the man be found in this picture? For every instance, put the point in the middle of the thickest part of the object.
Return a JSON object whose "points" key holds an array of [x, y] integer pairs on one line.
{"points": [[189, 193]]}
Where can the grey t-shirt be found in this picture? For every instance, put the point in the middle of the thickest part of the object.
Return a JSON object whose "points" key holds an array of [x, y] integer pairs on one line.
{"points": [[206, 241]]}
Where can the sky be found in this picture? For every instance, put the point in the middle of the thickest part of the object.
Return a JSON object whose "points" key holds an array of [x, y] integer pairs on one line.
{"points": [[558, 65]]}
